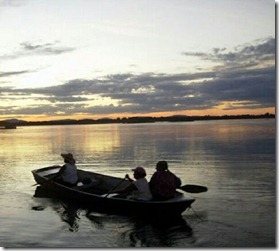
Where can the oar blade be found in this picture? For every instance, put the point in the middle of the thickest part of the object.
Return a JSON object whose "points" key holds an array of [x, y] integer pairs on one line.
{"points": [[193, 188]]}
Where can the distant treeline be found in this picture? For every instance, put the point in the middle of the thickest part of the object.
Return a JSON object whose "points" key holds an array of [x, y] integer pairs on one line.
{"points": [[175, 118]]}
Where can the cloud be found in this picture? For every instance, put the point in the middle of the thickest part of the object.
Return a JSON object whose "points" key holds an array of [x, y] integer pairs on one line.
{"points": [[35, 49], [11, 73], [245, 79], [161, 93], [245, 55], [44, 49]]}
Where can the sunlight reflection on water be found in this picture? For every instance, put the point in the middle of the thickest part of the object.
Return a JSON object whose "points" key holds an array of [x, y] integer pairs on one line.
{"points": [[234, 159]]}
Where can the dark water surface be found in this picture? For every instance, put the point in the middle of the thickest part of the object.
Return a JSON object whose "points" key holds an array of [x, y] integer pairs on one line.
{"points": [[235, 159]]}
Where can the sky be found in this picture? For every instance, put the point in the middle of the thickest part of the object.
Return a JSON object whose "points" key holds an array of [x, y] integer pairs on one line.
{"points": [[75, 59]]}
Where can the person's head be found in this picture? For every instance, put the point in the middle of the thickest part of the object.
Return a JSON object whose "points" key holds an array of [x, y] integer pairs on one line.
{"points": [[162, 165], [139, 172], [68, 158]]}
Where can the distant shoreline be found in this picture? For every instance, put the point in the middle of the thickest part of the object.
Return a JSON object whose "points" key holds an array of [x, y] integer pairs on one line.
{"points": [[132, 120]]}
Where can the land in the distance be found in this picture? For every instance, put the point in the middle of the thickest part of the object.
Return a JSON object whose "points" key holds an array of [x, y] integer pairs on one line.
{"points": [[125, 120]]}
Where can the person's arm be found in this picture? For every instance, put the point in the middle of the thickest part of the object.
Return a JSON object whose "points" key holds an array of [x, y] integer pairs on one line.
{"points": [[177, 180], [128, 178], [60, 172], [130, 188], [151, 182]]}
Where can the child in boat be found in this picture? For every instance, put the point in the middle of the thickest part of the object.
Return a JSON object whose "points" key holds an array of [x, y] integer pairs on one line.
{"points": [[139, 188]]}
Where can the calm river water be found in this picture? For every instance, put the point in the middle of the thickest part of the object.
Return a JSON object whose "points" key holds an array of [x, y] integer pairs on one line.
{"points": [[235, 159]]}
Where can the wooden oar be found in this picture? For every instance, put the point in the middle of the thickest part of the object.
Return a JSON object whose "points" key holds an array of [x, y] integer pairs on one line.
{"points": [[193, 188], [115, 187]]}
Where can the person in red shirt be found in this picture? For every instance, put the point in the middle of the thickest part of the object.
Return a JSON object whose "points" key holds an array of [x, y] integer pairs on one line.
{"points": [[163, 183]]}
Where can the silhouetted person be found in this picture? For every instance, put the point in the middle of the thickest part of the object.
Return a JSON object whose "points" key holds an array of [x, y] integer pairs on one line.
{"points": [[163, 183], [67, 175], [139, 188]]}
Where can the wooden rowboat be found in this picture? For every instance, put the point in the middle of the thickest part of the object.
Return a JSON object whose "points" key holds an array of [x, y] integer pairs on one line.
{"points": [[96, 191]]}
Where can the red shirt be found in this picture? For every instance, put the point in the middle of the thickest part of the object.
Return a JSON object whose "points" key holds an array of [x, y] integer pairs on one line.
{"points": [[163, 184]]}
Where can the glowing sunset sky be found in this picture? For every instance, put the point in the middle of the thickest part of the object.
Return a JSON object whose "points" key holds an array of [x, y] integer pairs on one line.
{"points": [[115, 58]]}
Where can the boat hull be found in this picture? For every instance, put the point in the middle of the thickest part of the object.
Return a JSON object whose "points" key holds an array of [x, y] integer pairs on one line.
{"points": [[95, 198]]}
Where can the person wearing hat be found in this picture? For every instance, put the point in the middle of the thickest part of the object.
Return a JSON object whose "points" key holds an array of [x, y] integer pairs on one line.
{"points": [[139, 188], [67, 174], [163, 183]]}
